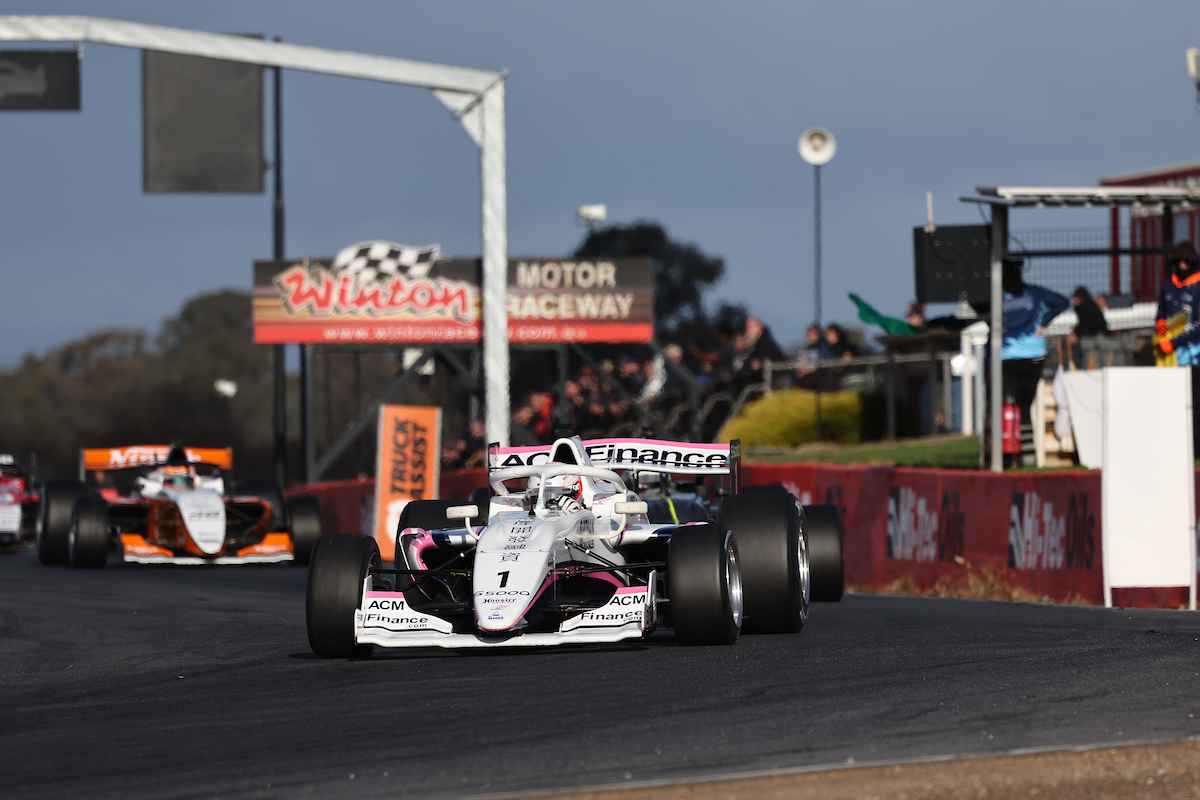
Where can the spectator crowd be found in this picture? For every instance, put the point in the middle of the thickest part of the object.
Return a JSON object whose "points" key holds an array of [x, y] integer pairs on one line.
{"points": [[686, 390], [683, 388]]}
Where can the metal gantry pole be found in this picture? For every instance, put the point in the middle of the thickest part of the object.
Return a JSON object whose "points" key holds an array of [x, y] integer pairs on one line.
{"points": [[980, 406], [279, 351], [999, 250], [497, 416], [817, 245], [817, 278], [308, 429]]}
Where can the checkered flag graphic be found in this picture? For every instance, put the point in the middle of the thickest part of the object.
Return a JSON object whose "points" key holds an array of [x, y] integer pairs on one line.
{"points": [[380, 261]]}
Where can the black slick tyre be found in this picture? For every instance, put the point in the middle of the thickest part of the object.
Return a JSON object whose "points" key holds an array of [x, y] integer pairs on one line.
{"points": [[825, 558], [88, 538], [704, 583], [305, 527], [775, 559], [54, 519], [339, 565]]}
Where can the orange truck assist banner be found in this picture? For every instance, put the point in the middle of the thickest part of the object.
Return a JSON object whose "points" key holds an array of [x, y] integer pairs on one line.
{"points": [[409, 455]]}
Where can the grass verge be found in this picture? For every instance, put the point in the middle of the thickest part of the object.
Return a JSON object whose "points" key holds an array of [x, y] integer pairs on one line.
{"points": [[951, 451]]}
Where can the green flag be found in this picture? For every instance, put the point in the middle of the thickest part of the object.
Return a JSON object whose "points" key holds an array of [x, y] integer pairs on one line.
{"points": [[893, 326]]}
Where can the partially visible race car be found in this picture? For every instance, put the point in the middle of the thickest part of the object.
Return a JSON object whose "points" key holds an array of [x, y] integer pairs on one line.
{"points": [[568, 557], [669, 501], [18, 505], [154, 504]]}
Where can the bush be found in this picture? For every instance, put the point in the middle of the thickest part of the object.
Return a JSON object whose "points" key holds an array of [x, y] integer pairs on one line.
{"points": [[788, 418]]}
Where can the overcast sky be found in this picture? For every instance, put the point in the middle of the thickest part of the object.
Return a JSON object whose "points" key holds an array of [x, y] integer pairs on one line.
{"points": [[686, 113]]}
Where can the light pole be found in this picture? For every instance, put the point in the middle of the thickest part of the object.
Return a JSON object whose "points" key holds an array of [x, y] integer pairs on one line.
{"points": [[817, 147]]}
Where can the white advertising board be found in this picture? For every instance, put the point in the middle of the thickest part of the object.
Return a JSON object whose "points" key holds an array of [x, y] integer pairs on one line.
{"points": [[1084, 401], [1147, 483]]}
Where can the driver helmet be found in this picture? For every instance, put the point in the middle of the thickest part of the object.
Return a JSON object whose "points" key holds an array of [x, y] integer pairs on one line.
{"points": [[564, 492], [177, 476]]}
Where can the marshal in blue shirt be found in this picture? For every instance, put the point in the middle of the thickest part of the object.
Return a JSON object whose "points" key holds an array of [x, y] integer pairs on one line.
{"points": [[1024, 313]]}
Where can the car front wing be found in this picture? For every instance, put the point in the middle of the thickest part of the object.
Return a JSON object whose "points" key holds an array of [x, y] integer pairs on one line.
{"points": [[386, 619]]}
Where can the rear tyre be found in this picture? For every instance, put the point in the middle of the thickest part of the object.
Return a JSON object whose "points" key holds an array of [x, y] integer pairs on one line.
{"points": [[88, 538], [306, 528], [704, 582], [825, 537], [270, 491], [54, 519], [775, 559], [339, 565]]}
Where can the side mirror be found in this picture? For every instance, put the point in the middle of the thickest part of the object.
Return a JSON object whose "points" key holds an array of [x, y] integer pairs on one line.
{"points": [[462, 512], [630, 507]]}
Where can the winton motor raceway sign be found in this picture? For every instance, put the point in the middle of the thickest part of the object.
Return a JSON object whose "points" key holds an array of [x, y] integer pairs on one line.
{"points": [[385, 292]]}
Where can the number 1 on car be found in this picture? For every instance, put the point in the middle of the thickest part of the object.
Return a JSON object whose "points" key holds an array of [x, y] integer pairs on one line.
{"points": [[503, 579]]}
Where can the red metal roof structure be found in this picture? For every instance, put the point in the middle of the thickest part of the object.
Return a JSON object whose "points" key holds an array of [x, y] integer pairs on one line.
{"points": [[1150, 228]]}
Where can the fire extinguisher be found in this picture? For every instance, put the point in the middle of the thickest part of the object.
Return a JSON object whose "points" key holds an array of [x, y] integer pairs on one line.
{"points": [[1011, 428]]}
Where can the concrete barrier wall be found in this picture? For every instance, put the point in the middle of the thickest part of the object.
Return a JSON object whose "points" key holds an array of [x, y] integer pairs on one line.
{"points": [[1039, 530]]}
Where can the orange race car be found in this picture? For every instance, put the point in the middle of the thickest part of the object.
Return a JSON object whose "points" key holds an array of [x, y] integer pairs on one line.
{"points": [[151, 504]]}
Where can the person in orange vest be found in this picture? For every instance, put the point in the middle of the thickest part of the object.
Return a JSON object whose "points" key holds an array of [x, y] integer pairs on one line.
{"points": [[1180, 295]]}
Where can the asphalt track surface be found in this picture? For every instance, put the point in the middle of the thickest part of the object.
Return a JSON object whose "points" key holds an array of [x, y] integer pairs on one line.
{"points": [[159, 682]]}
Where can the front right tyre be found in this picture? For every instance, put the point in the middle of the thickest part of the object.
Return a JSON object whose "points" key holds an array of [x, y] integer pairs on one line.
{"points": [[337, 569]]}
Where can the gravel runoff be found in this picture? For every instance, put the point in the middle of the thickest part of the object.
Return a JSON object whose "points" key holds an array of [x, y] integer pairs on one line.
{"points": [[1166, 770]]}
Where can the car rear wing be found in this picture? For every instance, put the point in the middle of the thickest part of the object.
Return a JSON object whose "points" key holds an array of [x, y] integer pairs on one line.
{"points": [[637, 455], [105, 459]]}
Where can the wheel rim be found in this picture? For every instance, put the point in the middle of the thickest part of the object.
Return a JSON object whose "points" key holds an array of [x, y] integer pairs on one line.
{"points": [[733, 582], [802, 565], [71, 543]]}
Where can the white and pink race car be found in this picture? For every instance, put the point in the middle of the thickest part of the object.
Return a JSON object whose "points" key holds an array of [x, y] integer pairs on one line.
{"points": [[18, 504], [565, 553]]}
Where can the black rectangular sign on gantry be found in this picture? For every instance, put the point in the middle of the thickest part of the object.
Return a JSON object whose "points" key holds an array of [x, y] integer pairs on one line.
{"points": [[953, 263], [39, 80], [202, 125]]}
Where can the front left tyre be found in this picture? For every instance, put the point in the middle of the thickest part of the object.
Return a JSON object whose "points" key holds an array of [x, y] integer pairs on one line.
{"points": [[305, 527], [89, 538], [339, 565], [704, 583], [54, 519]]}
